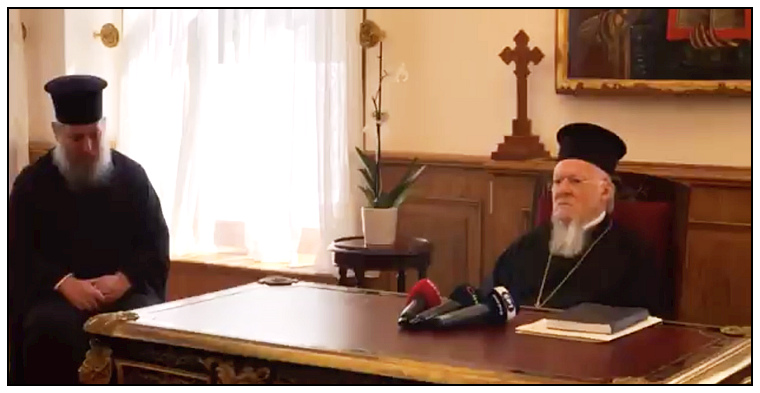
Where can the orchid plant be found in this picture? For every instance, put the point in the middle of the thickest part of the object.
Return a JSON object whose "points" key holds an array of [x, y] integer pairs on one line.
{"points": [[370, 35]]}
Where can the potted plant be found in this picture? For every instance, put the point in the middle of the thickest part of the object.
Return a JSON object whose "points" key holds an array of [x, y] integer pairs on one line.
{"points": [[380, 216]]}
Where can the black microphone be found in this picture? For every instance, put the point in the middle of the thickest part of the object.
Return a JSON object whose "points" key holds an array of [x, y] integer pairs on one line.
{"points": [[422, 296], [496, 309], [462, 296]]}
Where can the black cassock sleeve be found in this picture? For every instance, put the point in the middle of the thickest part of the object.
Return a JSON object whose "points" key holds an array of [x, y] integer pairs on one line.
{"points": [[148, 266], [645, 280], [505, 273], [31, 274]]}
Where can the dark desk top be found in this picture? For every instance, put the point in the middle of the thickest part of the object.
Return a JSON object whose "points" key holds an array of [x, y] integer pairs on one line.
{"points": [[356, 330]]}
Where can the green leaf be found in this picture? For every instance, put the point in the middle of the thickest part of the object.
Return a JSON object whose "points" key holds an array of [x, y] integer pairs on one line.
{"points": [[415, 175], [369, 194], [385, 201], [408, 172], [399, 193], [402, 197], [369, 178], [369, 162]]}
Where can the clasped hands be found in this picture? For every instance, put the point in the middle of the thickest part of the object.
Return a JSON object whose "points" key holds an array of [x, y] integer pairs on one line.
{"points": [[91, 294]]}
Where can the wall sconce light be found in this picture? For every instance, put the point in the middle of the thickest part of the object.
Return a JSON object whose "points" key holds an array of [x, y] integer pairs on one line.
{"points": [[109, 35]]}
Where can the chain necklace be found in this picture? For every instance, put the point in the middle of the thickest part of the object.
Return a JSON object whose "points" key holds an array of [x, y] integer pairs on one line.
{"points": [[540, 304]]}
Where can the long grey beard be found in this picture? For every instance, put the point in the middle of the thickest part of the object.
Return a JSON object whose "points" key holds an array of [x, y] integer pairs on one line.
{"points": [[80, 177], [567, 240]]}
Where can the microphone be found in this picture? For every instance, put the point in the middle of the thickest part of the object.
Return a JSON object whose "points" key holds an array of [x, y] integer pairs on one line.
{"points": [[422, 296], [496, 309], [462, 296]]}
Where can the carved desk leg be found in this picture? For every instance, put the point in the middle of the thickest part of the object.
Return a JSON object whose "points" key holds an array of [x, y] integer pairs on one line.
{"points": [[224, 372], [97, 367]]}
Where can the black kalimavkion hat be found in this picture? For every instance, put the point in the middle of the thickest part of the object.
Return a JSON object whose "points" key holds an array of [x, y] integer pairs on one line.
{"points": [[78, 99], [591, 143]]}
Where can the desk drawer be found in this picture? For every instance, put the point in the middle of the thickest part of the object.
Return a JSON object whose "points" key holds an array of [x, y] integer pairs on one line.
{"points": [[137, 373]]}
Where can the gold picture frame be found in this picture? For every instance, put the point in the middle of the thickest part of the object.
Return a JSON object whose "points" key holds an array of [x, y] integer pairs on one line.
{"points": [[624, 85]]}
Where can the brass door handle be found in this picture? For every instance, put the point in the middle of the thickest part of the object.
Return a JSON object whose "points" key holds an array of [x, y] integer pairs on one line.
{"points": [[109, 35]]}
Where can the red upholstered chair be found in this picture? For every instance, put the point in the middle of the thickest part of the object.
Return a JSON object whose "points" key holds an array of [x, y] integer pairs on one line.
{"points": [[652, 220]]}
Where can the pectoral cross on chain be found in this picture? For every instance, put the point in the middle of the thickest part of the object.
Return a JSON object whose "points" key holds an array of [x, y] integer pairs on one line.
{"points": [[521, 56]]}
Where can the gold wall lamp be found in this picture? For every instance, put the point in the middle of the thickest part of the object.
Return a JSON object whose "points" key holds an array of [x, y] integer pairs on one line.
{"points": [[109, 35]]}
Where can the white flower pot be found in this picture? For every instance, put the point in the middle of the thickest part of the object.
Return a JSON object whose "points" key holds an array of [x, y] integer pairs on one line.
{"points": [[379, 226]]}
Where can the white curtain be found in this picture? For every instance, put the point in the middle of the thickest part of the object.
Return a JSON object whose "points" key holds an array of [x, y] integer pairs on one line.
{"points": [[18, 107], [246, 121]]}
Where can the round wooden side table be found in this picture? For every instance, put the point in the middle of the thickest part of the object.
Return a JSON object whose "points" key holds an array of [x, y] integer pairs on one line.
{"points": [[406, 253]]}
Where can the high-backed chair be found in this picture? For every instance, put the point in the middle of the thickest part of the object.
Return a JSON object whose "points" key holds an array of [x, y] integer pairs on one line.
{"points": [[646, 206]]}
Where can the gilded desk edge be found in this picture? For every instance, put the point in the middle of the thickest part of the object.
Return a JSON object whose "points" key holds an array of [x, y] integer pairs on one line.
{"points": [[120, 325]]}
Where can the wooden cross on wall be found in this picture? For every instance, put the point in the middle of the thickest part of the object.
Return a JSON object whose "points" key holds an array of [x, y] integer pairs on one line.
{"points": [[521, 144]]}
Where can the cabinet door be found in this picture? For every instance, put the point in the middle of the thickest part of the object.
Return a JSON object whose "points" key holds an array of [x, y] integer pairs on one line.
{"points": [[717, 279], [453, 227], [509, 215], [445, 206], [717, 274]]}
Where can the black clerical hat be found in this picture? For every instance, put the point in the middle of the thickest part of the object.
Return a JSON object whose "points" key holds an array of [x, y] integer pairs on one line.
{"points": [[591, 143], [78, 99]]}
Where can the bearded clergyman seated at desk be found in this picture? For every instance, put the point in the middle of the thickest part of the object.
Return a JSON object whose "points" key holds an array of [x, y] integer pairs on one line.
{"points": [[86, 235], [582, 255]]}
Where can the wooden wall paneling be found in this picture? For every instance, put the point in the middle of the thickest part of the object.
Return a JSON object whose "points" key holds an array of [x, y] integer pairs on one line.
{"points": [[509, 213], [717, 271], [721, 204], [680, 229], [441, 181], [717, 276], [196, 278], [37, 150], [453, 226], [442, 187], [192, 278]]}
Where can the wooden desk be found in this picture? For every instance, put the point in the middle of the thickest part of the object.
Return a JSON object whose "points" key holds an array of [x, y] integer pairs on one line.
{"points": [[314, 333]]}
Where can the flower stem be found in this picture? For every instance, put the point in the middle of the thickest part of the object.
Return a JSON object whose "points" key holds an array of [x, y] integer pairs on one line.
{"points": [[379, 114], [378, 182], [380, 81]]}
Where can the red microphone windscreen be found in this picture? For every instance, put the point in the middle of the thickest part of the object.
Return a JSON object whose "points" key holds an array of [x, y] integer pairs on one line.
{"points": [[428, 290]]}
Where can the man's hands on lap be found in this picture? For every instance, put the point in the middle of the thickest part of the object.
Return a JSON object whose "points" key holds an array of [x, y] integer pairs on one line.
{"points": [[92, 294], [112, 286], [81, 294]]}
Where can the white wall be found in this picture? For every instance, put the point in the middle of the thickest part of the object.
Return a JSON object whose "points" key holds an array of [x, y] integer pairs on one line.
{"points": [[88, 55], [45, 59], [61, 42], [460, 96]]}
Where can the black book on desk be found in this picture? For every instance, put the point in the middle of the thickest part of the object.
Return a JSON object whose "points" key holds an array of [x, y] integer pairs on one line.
{"points": [[597, 318]]}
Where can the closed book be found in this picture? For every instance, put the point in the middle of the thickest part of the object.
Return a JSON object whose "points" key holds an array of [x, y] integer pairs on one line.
{"points": [[596, 318]]}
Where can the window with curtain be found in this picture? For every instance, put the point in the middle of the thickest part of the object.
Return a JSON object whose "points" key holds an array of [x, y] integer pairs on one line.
{"points": [[246, 121]]}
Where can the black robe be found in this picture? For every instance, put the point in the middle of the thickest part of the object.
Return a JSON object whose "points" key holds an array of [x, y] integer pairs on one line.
{"points": [[54, 231], [620, 270]]}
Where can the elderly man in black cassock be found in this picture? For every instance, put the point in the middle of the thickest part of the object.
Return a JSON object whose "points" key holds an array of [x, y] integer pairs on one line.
{"points": [[86, 235], [582, 255]]}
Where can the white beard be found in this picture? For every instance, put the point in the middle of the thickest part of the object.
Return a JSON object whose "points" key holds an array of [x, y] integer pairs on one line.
{"points": [[84, 176], [567, 240]]}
